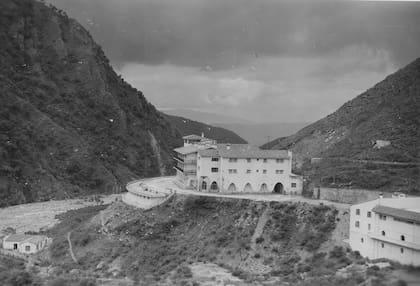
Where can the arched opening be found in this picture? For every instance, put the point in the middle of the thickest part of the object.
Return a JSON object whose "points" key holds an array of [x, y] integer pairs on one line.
{"points": [[278, 188], [248, 188], [232, 188], [214, 187], [204, 185], [264, 188]]}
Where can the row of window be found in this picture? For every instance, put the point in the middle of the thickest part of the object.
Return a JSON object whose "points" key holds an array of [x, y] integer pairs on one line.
{"points": [[249, 171], [382, 245], [357, 224], [249, 160], [368, 214]]}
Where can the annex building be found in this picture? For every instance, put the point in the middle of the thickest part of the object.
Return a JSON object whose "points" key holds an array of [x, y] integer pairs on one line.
{"points": [[204, 165], [387, 228], [25, 243]]}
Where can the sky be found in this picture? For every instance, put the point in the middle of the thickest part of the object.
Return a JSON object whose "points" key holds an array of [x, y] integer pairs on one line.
{"points": [[264, 61]]}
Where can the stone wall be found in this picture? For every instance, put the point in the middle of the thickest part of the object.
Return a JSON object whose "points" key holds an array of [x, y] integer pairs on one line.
{"points": [[347, 196]]}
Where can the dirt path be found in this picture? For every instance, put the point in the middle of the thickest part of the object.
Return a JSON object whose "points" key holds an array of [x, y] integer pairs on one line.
{"points": [[71, 248], [259, 229]]}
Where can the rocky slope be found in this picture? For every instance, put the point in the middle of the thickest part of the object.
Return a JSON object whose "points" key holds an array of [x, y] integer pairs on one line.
{"points": [[68, 123], [389, 111], [186, 127]]}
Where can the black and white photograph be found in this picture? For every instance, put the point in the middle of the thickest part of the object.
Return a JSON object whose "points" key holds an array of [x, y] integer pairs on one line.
{"points": [[209, 143]]}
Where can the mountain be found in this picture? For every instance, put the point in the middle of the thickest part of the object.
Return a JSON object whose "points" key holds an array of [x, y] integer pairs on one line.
{"points": [[186, 127], [389, 111], [69, 125], [260, 133], [206, 117]]}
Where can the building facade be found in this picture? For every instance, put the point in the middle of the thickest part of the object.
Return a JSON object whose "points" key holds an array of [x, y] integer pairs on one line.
{"points": [[236, 168], [387, 228], [27, 244], [186, 159]]}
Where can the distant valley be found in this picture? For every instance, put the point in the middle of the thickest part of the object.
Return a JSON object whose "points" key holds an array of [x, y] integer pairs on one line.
{"points": [[255, 133]]}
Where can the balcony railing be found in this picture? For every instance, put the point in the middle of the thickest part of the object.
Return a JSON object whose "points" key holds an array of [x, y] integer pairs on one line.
{"points": [[185, 161], [179, 159]]}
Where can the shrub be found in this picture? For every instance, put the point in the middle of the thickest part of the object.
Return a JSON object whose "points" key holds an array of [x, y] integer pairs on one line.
{"points": [[259, 240]]}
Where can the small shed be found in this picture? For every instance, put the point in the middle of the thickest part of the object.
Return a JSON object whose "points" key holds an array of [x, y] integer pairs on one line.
{"points": [[25, 243]]}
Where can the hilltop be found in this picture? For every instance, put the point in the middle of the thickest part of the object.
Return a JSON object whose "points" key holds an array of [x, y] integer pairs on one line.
{"points": [[186, 127], [69, 125], [389, 111]]}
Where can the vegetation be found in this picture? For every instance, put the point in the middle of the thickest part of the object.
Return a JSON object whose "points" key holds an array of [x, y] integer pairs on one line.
{"points": [[186, 127], [387, 111], [69, 125], [13, 273]]}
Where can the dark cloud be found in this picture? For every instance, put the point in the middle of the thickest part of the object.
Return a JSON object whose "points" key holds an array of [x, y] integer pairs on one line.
{"points": [[265, 60], [223, 33]]}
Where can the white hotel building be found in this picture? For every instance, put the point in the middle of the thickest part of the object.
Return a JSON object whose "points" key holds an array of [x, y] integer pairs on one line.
{"points": [[206, 166], [387, 228]]}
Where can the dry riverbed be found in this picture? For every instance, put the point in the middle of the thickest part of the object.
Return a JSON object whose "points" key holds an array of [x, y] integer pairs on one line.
{"points": [[42, 215]]}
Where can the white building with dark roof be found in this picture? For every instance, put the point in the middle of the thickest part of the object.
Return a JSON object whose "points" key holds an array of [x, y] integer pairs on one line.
{"points": [[210, 167], [387, 228]]}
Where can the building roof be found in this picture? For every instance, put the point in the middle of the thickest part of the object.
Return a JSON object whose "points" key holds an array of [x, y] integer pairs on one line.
{"points": [[244, 151], [398, 213], [187, 149], [20, 238]]}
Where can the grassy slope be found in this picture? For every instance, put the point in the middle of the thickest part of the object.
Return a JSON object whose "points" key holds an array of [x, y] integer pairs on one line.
{"points": [[387, 111], [68, 123], [156, 246], [186, 127]]}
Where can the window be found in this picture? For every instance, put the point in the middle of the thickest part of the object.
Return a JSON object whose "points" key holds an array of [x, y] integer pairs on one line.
{"points": [[248, 171], [233, 160], [279, 160], [357, 211], [204, 185], [357, 224], [214, 170], [369, 226], [383, 233], [264, 171], [27, 248], [382, 245], [248, 160], [279, 171], [265, 161], [382, 217], [293, 185], [369, 214], [362, 240], [214, 159], [233, 171], [402, 250], [402, 237]]}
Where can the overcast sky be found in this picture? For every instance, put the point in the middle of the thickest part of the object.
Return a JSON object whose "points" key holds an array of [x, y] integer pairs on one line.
{"points": [[263, 60]]}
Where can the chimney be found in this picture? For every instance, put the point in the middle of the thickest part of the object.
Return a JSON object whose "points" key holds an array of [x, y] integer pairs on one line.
{"points": [[381, 196]]}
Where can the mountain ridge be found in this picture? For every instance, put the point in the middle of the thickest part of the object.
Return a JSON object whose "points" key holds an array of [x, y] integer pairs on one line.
{"points": [[187, 126], [388, 112], [69, 124]]}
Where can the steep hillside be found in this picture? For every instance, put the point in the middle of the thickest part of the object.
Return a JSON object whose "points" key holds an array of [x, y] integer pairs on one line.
{"points": [[68, 123], [186, 127], [389, 111]]}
